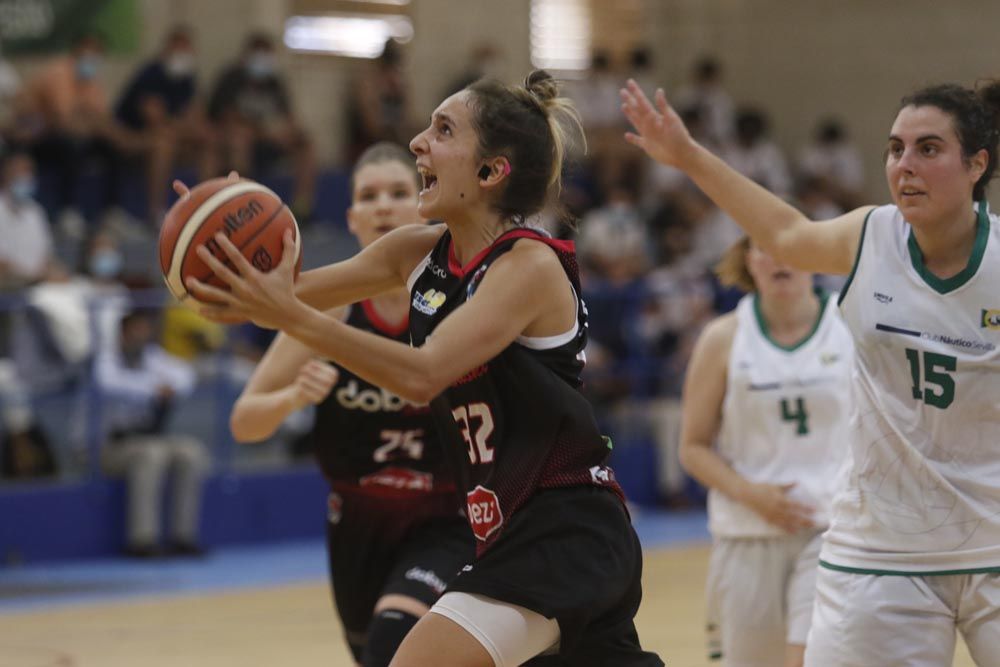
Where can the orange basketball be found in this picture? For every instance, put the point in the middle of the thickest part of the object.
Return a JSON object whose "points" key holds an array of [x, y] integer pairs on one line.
{"points": [[252, 216]]}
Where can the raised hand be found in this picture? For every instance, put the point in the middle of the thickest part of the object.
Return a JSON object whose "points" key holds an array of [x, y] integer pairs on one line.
{"points": [[267, 299], [659, 131], [773, 503], [313, 383], [183, 191]]}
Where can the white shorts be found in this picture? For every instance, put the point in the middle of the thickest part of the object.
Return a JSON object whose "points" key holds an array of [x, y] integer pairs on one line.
{"points": [[905, 621], [512, 635], [760, 597]]}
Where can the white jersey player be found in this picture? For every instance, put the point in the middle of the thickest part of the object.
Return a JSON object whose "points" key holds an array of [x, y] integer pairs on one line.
{"points": [[769, 384], [913, 551]]}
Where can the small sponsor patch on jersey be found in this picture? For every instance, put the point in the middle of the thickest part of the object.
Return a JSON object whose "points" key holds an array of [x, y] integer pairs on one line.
{"points": [[477, 278], [602, 475], [401, 479], [990, 319], [429, 302], [882, 298], [828, 358], [483, 507]]}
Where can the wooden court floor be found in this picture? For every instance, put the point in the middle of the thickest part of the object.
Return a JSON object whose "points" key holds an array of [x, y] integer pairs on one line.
{"points": [[294, 625]]}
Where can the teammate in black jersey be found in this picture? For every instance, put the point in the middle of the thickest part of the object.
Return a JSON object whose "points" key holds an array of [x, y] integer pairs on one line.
{"points": [[498, 332], [395, 536]]}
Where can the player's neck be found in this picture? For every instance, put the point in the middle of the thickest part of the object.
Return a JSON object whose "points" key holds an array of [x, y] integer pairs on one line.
{"points": [[393, 307], [790, 320], [471, 238], [946, 248]]}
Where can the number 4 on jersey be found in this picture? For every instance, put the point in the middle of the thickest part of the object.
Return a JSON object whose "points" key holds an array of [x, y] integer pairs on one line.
{"points": [[800, 416], [480, 450]]}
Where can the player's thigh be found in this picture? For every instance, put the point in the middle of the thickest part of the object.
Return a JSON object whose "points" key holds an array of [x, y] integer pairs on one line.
{"points": [[979, 617], [747, 584], [801, 591], [860, 620], [465, 630]]}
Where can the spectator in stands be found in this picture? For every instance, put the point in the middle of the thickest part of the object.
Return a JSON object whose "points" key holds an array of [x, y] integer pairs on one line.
{"points": [[613, 245], [160, 120], [66, 123], [26, 253], [380, 106], [484, 60], [836, 162], [706, 93], [754, 155], [640, 61], [141, 384], [10, 84], [251, 110]]}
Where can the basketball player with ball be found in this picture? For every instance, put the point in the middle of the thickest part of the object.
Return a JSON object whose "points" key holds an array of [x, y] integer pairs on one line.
{"points": [[497, 331], [395, 533]]}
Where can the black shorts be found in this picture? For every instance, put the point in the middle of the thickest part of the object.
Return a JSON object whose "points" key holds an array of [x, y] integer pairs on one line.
{"points": [[572, 555], [364, 565]]}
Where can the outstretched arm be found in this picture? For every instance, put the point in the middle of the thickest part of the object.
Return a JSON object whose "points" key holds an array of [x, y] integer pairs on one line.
{"points": [[778, 228], [524, 286]]}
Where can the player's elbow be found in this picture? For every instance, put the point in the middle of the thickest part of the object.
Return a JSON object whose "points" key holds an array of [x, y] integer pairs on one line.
{"points": [[421, 389], [242, 428]]}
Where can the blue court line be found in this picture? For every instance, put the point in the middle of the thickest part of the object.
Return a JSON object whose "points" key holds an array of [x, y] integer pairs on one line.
{"points": [[46, 586]]}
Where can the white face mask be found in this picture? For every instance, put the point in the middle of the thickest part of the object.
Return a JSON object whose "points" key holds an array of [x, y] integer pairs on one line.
{"points": [[179, 65]]}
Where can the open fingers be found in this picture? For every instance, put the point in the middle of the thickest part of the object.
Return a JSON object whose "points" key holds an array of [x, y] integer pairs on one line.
{"points": [[208, 293], [182, 190]]}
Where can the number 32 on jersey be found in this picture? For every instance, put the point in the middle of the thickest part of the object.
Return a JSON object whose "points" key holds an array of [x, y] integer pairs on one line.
{"points": [[476, 424]]}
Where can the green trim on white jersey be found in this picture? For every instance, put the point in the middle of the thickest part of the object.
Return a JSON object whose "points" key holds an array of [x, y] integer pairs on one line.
{"points": [[900, 573], [945, 285], [823, 297]]}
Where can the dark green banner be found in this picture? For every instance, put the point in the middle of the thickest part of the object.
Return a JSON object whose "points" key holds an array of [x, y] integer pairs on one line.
{"points": [[51, 26]]}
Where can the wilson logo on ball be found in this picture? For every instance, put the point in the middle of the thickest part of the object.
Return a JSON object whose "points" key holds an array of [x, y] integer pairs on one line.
{"points": [[262, 260], [252, 217]]}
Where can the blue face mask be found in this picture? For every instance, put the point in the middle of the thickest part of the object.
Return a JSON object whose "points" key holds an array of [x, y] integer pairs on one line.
{"points": [[260, 65], [87, 67], [23, 188], [105, 264]]}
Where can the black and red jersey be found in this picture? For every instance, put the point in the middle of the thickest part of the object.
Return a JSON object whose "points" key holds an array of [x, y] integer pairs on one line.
{"points": [[378, 447], [518, 423]]}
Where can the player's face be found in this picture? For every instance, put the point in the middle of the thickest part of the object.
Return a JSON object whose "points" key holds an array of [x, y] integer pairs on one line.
{"points": [[927, 176], [447, 157], [776, 280], [384, 198]]}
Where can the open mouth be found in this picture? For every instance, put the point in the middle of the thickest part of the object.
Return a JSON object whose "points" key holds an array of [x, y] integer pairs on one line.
{"points": [[782, 275], [429, 180], [911, 192]]}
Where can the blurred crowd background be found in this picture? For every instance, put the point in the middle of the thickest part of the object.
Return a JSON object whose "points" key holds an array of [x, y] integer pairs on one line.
{"points": [[103, 103]]}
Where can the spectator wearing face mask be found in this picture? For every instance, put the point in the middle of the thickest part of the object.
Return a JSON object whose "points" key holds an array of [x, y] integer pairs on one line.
{"points": [[251, 110], [66, 124], [160, 121], [26, 255]]}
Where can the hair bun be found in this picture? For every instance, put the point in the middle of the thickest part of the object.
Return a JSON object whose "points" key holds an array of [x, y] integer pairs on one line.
{"points": [[989, 93], [542, 86]]}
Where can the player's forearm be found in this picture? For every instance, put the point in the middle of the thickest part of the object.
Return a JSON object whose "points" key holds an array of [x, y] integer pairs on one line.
{"points": [[767, 219], [395, 366], [257, 416], [711, 470]]}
